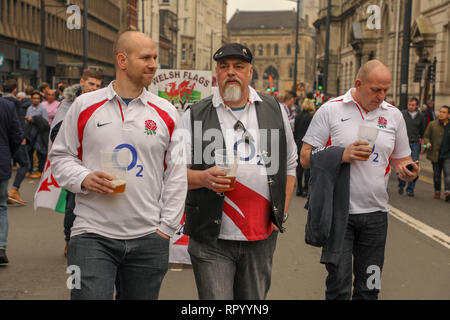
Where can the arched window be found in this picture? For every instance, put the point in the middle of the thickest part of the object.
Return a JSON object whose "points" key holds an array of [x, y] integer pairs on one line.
{"points": [[268, 49], [253, 48], [260, 50], [275, 49], [288, 49]]}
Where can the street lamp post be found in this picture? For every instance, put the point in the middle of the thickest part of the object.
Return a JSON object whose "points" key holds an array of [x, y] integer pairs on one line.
{"points": [[294, 87], [43, 75], [405, 56], [85, 36]]}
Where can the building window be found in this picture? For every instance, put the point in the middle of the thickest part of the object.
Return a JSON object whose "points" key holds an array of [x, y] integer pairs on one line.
{"points": [[183, 52], [288, 50], [260, 50], [275, 49], [268, 47], [165, 1], [291, 71]]}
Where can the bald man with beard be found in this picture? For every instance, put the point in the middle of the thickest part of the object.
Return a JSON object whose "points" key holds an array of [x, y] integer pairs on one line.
{"points": [[337, 124], [121, 240]]}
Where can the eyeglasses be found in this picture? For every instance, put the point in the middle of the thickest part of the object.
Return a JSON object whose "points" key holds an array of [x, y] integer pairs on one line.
{"points": [[246, 136]]}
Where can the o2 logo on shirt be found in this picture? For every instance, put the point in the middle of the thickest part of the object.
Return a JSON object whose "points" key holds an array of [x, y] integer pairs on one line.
{"points": [[134, 159], [250, 154]]}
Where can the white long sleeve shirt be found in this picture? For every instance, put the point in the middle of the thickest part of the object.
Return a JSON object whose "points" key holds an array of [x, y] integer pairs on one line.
{"points": [[156, 179]]}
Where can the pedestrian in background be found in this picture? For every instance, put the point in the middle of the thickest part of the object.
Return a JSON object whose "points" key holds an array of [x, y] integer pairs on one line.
{"points": [[43, 89], [415, 126], [428, 112], [293, 109], [51, 105], [37, 134], [361, 242], [21, 155], [437, 142], [232, 246], [11, 137], [121, 240], [302, 122]]}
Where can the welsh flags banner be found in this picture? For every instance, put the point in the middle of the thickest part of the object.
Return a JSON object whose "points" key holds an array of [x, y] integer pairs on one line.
{"points": [[50, 194]]}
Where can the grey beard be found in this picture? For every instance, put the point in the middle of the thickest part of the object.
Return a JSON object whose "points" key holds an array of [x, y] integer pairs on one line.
{"points": [[232, 93]]}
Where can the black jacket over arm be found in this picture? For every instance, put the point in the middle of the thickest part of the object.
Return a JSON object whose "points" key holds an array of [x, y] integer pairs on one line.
{"points": [[328, 202]]}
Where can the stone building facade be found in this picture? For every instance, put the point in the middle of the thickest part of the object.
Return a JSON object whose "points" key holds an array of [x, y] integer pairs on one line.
{"points": [[270, 35], [356, 38]]}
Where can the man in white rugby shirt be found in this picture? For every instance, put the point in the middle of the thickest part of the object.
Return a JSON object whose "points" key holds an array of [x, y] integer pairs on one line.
{"points": [[337, 123], [122, 239], [233, 234]]}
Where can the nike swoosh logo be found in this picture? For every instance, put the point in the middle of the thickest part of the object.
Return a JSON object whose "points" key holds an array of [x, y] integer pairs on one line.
{"points": [[343, 120], [102, 124]]}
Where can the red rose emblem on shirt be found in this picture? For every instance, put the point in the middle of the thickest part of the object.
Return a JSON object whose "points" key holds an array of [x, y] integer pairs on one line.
{"points": [[150, 127], [382, 122]]}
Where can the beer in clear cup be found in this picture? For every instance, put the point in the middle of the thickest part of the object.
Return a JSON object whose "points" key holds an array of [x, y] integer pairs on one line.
{"points": [[116, 164], [228, 163]]}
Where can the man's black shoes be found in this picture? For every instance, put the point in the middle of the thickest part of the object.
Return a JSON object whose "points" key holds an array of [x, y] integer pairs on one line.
{"points": [[3, 257]]}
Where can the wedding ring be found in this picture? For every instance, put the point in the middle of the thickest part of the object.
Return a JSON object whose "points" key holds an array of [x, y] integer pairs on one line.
{"points": [[213, 184]]}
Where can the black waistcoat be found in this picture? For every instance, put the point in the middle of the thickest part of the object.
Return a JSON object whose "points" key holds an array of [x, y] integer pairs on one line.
{"points": [[203, 206]]}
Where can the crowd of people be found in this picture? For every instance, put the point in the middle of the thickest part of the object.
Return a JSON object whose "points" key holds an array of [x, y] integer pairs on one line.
{"points": [[232, 222]]}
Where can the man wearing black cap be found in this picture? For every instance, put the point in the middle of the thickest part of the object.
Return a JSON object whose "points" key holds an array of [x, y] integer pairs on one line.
{"points": [[233, 233]]}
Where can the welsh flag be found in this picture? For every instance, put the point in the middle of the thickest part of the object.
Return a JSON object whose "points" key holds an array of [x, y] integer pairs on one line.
{"points": [[50, 194], [178, 246]]}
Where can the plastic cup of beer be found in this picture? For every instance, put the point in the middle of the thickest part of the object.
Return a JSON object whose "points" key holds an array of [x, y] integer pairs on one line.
{"points": [[368, 134], [228, 164], [116, 163]]}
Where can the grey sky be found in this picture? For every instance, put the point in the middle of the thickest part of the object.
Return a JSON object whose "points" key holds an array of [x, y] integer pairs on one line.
{"points": [[259, 5]]}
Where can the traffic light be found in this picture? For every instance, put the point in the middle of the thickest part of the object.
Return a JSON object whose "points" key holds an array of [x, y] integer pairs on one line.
{"points": [[320, 82], [432, 73]]}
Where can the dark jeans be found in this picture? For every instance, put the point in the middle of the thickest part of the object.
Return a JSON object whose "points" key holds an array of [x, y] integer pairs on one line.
{"points": [[3, 214], [41, 159], [227, 270], [22, 158], [415, 153], [438, 167], [365, 241], [302, 177], [137, 267], [69, 216]]}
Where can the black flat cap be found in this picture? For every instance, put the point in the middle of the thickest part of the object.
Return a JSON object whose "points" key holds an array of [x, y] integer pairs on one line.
{"points": [[234, 50]]}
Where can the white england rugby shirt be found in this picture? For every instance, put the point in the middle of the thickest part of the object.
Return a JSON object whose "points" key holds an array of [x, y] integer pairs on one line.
{"points": [[337, 123], [156, 179], [246, 213]]}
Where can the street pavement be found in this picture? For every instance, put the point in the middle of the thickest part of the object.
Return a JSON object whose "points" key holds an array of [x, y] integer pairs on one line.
{"points": [[416, 265]]}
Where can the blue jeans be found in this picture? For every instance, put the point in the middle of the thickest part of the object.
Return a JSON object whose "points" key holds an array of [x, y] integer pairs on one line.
{"points": [[227, 270], [446, 166], [3, 213], [137, 267], [365, 241], [415, 153], [22, 158]]}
